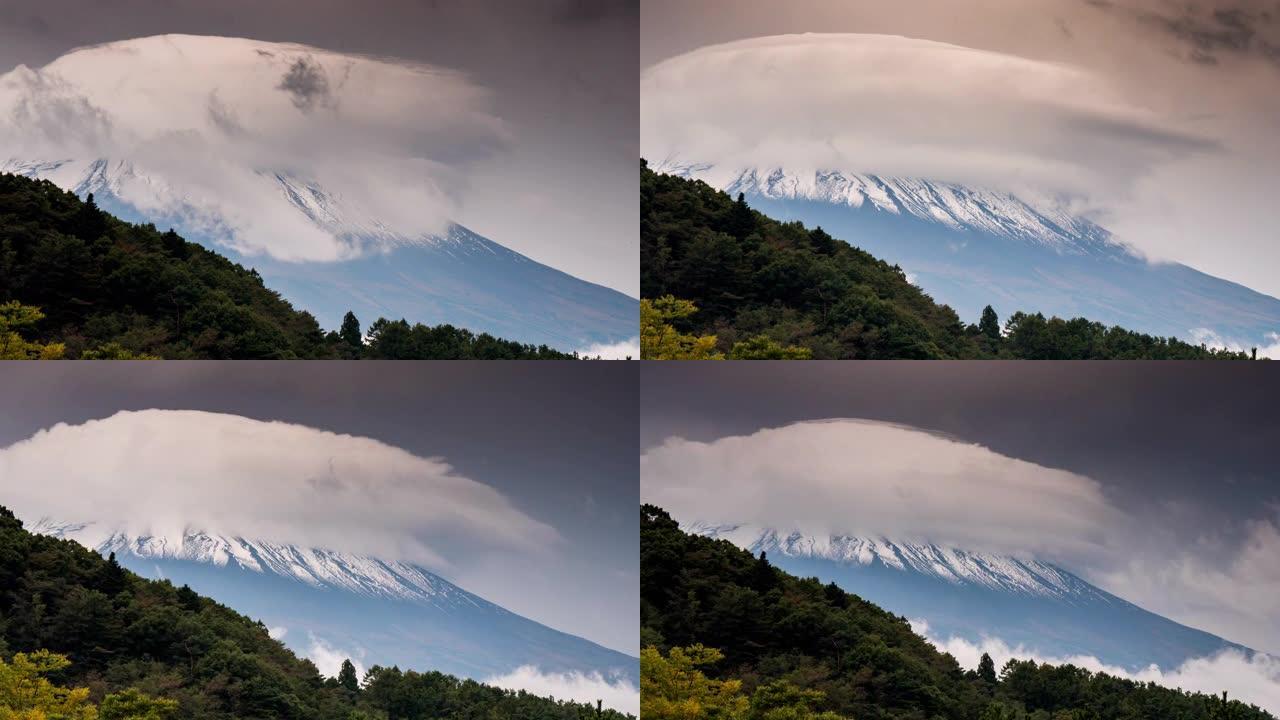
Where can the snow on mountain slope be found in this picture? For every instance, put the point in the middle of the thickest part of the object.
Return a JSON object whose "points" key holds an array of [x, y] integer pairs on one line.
{"points": [[992, 571], [360, 574], [1000, 213], [979, 596], [1047, 221]]}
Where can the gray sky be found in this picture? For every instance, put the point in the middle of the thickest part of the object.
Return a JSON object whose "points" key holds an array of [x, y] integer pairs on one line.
{"points": [[1183, 453], [562, 74], [1160, 118], [557, 440]]}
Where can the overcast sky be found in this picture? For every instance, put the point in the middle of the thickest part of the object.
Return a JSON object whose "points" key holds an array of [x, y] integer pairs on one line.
{"points": [[1159, 118], [524, 475], [559, 75], [1155, 481]]}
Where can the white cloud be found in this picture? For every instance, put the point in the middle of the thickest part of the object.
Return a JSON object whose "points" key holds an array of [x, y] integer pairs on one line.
{"points": [[872, 104], [161, 472], [1121, 135], [328, 659], [868, 478], [278, 632], [620, 350], [215, 118], [616, 692], [1226, 582], [1253, 679]]}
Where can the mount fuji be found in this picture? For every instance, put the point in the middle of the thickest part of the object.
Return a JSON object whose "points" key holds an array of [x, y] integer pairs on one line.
{"points": [[970, 247], [335, 176], [374, 611], [973, 595]]}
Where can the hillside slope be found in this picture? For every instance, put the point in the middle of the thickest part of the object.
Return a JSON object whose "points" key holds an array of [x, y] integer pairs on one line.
{"points": [[100, 281], [866, 662], [750, 275], [121, 631]]}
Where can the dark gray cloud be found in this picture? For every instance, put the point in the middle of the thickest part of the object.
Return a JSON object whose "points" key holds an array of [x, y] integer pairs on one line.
{"points": [[306, 82], [1208, 30]]}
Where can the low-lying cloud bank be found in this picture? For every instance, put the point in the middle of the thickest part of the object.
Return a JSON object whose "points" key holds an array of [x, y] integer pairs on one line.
{"points": [[1253, 679], [207, 123], [621, 350], [616, 693], [873, 479], [162, 472], [328, 659]]}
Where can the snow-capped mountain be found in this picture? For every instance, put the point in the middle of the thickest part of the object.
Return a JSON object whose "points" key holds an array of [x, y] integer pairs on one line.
{"points": [[954, 206], [335, 175], [458, 277], [974, 595], [371, 609], [970, 247]]}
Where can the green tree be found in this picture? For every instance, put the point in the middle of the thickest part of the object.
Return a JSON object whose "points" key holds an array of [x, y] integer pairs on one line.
{"points": [[15, 316], [660, 340], [133, 705], [27, 694], [989, 324], [350, 331], [987, 671], [347, 677], [761, 347], [674, 687]]}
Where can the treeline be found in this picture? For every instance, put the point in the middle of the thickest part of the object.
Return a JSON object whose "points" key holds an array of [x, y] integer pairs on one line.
{"points": [[76, 282], [134, 641], [774, 290], [737, 634]]}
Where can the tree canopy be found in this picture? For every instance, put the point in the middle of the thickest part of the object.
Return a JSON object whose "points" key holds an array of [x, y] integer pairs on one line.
{"points": [[76, 282], [742, 276], [746, 628], [121, 646]]}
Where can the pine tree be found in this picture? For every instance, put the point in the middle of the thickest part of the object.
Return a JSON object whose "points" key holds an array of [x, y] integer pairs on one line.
{"points": [[347, 676], [989, 325], [350, 332], [987, 670], [742, 222]]}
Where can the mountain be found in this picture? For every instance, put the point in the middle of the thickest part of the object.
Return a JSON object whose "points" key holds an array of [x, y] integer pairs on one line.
{"points": [[1023, 601], [459, 278], [121, 631], [970, 247], [782, 637], [90, 285], [333, 175], [754, 281], [394, 613]]}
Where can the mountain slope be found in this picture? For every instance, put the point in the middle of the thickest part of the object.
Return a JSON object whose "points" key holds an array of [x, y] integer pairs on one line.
{"points": [[749, 275], [971, 247], [867, 662], [1023, 601], [122, 631], [100, 281], [397, 613]]}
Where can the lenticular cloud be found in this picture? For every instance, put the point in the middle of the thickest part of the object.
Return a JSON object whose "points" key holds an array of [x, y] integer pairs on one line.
{"points": [[898, 106], [873, 479], [161, 472], [202, 128]]}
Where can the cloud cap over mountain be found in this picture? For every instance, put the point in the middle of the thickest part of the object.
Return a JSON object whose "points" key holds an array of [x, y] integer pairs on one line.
{"points": [[873, 479], [206, 123], [162, 472]]}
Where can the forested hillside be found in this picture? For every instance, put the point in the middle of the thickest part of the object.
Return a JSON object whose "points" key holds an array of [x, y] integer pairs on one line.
{"points": [[730, 633], [721, 279], [129, 640], [76, 282]]}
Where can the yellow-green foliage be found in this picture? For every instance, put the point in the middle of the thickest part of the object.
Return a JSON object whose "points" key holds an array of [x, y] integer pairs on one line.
{"points": [[673, 688], [15, 316], [659, 339], [26, 694]]}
